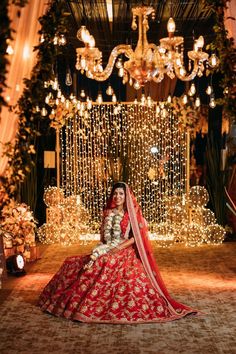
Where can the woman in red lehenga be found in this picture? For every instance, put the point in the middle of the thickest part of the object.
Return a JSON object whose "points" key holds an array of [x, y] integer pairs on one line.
{"points": [[119, 282]]}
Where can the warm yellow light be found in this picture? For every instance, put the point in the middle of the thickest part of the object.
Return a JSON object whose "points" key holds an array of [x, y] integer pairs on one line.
{"points": [[197, 102], [109, 90], [171, 25], [26, 52], [213, 61], [9, 50], [209, 90], [99, 98], [185, 99], [114, 99], [200, 42], [109, 10]]}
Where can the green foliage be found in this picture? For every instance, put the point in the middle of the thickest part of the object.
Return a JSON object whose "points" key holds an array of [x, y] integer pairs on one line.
{"points": [[31, 123], [5, 34], [224, 47]]}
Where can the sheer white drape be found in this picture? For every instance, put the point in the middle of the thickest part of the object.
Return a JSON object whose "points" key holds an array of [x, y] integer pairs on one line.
{"points": [[25, 23]]}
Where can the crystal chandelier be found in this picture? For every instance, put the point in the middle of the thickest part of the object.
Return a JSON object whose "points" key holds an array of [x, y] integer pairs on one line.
{"points": [[147, 62]]}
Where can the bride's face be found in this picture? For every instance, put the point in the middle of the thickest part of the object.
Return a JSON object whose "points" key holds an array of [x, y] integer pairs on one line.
{"points": [[119, 197]]}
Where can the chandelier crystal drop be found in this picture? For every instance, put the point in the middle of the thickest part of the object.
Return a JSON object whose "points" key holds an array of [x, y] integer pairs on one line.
{"points": [[148, 61]]}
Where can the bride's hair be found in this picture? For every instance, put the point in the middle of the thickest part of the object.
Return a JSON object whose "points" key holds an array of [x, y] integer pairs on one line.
{"points": [[118, 185]]}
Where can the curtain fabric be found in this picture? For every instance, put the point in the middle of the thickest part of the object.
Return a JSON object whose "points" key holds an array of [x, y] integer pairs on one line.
{"points": [[25, 23], [230, 19]]}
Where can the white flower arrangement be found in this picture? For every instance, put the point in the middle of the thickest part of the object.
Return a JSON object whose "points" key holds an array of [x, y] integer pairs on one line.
{"points": [[18, 222]]}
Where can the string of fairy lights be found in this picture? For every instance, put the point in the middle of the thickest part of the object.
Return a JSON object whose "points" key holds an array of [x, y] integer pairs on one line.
{"points": [[139, 142]]}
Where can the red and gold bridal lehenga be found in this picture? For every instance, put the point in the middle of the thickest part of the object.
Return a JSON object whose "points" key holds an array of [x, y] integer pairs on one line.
{"points": [[119, 282]]}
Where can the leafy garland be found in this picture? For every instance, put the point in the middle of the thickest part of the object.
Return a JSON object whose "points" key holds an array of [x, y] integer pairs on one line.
{"points": [[5, 36], [31, 123], [227, 55]]}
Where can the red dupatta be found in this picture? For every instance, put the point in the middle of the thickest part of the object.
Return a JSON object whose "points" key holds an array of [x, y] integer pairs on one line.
{"points": [[140, 233]]}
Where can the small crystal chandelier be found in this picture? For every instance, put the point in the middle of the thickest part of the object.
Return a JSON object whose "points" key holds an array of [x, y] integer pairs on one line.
{"points": [[147, 62]]}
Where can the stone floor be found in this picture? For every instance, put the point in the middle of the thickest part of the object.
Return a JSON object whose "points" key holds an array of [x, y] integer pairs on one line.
{"points": [[204, 278]]}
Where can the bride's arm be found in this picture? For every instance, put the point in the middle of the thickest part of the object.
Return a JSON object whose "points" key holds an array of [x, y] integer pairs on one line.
{"points": [[122, 245]]}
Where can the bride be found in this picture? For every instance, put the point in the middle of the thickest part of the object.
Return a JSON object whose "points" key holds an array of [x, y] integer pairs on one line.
{"points": [[120, 281]]}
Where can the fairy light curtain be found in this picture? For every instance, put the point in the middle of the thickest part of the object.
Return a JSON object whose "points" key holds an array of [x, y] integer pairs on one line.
{"points": [[137, 143]]}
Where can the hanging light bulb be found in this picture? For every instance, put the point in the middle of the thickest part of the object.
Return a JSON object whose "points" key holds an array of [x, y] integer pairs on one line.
{"points": [[137, 85], [169, 99], [130, 81], [82, 93], [197, 102], [213, 61], [63, 98], [119, 63], [114, 99], [185, 99], [212, 103], [149, 101], [209, 90], [135, 100], [68, 81], [143, 99], [109, 90], [37, 109], [99, 98], [192, 90], [44, 112], [89, 103], [67, 104]]}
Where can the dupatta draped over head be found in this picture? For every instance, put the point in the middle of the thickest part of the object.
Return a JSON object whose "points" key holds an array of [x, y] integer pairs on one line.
{"points": [[133, 217]]}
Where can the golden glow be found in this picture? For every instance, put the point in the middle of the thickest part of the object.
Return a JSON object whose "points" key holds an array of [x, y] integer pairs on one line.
{"points": [[109, 10], [26, 52], [147, 62], [106, 142]]}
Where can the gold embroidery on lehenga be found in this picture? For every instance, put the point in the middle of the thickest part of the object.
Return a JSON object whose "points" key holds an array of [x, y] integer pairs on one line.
{"points": [[115, 305]]}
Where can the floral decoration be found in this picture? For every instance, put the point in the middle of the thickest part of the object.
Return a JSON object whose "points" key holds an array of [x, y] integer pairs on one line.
{"points": [[21, 155], [18, 220]]}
